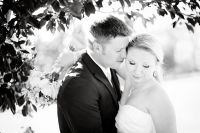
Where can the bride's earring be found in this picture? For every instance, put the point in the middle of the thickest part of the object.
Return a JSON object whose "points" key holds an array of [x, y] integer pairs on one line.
{"points": [[155, 74]]}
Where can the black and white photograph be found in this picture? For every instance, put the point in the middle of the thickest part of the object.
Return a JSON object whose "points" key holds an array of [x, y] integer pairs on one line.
{"points": [[99, 66]]}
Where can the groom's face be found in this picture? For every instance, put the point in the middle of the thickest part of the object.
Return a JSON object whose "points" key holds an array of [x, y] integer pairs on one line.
{"points": [[114, 52]]}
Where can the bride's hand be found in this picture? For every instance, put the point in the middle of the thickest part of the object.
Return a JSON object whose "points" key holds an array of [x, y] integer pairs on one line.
{"points": [[126, 91]]}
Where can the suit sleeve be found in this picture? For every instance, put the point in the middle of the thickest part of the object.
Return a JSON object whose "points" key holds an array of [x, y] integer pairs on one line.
{"points": [[78, 105]]}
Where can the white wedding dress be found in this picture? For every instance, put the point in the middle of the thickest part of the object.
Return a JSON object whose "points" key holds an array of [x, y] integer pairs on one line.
{"points": [[132, 120]]}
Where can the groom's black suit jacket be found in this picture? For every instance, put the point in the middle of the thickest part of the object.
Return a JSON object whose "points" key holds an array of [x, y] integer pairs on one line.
{"points": [[87, 102]]}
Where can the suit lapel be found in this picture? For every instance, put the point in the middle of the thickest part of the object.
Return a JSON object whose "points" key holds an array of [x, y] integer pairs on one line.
{"points": [[116, 84], [105, 81], [98, 73]]}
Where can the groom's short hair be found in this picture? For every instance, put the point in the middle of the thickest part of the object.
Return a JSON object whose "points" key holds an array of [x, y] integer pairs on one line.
{"points": [[105, 27]]}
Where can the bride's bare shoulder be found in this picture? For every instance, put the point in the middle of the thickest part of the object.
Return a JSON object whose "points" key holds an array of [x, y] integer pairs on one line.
{"points": [[157, 95]]}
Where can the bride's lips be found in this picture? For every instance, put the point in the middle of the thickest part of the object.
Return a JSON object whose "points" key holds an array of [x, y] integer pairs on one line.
{"points": [[136, 77]]}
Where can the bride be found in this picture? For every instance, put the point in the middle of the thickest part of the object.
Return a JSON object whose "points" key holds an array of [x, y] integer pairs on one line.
{"points": [[144, 106]]}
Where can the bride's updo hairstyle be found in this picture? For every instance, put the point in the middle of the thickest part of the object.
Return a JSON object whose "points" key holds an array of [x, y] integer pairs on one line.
{"points": [[147, 42]]}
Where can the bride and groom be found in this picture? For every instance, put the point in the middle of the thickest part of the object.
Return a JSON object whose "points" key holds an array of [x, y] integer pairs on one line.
{"points": [[90, 99]]}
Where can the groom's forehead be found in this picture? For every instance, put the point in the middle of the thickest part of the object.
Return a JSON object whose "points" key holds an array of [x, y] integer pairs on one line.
{"points": [[118, 46], [120, 41]]}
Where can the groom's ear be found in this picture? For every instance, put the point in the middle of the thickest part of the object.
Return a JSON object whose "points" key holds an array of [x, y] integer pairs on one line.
{"points": [[97, 47]]}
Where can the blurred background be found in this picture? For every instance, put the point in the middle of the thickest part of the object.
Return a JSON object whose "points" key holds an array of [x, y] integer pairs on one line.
{"points": [[181, 73]]}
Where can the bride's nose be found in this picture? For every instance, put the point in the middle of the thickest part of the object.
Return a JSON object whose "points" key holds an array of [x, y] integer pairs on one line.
{"points": [[138, 69]]}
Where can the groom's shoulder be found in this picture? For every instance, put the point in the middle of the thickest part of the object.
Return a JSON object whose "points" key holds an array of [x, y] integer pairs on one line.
{"points": [[76, 79], [77, 72]]}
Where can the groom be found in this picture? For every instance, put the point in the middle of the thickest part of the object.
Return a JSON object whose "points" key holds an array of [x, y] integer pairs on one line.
{"points": [[89, 95]]}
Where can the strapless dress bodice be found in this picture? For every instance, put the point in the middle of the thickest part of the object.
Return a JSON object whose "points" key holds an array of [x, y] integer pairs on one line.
{"points": [[132, 120]]}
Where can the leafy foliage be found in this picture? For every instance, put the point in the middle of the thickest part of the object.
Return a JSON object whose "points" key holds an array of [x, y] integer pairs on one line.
{"points": [[18, 19]]}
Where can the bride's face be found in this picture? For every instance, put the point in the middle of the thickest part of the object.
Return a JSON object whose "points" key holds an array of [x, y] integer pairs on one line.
{"points": [[140, 64]]}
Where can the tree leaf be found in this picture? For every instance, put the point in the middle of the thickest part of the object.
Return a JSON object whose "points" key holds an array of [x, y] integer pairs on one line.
{"points": [[2, 18], [11, 100], [61, 26], [191, 21], [144, 22], [176, 8], [89, 8], [21, 100], [109, 2], [30, 32], [40, 15], [56, 6], [51, 25], [122, 3], [99, 3], [1, 100], [172, 14], [19, 43], [34, 22], [197, 19], [180, 15], [18, 62], [55, 76], [42, 22], [174, 24], [8, 49], [29, 4], [25, 110], [76, 9], [7, 77], [41, 94], [33, 48], [189, 27], [161, 12], [67, 22], [184, 1], [3, 32], [47, 17], [128, 2], [7, 4], [24, 51], [62, 2], [62, 17], [34, 107], [3, 89], [193, 4], [24, 33], [24, 78]]}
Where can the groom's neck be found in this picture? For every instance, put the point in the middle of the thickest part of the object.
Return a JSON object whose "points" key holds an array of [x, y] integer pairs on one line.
{"points": [[95, 57]]}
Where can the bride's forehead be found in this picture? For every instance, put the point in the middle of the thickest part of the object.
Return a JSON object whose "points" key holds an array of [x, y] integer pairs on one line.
{"points": [[138, 50], [140, 53]]}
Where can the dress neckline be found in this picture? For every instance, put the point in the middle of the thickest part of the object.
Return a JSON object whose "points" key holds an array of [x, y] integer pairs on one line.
{"points": [[135, 108]]}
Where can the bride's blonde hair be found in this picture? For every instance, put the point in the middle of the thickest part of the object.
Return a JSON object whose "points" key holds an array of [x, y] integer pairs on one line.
{"points": [[149, 43]]}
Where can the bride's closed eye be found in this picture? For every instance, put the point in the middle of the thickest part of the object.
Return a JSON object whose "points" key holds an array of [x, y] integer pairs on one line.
{"points": [[146, 66], [132, 63]]}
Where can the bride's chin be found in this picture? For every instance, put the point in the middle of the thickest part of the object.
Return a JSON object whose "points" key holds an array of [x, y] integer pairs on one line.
{"points": [[136, 79]]}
